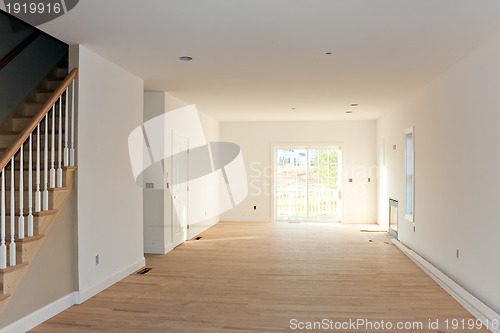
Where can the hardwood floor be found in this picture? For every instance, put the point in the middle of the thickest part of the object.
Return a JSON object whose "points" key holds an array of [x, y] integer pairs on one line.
{"points": [[257, 277]]}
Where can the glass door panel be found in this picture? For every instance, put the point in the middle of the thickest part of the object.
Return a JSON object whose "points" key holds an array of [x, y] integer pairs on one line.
{"points": [[323, 181], [307, 184], [291, 184]]}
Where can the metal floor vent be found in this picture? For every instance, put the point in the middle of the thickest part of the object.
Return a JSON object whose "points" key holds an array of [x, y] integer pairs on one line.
{"points": [[144, 270], [294, 222]]}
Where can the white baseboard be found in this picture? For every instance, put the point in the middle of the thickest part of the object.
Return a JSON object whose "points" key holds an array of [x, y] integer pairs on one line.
{"points": [[39, 316], [245, 219], [477, 308], [198, 228], [156, 249], [84, 295]]}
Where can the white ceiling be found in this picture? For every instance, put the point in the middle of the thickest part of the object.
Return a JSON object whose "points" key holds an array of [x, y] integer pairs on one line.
{"points": [[258, 59]]}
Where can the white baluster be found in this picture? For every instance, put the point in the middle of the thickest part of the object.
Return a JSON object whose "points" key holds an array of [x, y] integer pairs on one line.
{"points": [[30, 188], [66, 130], [52, 149], [38, 194], [12, 245], [72, 149], [46, 165], [59, 146], [3, 247], [20, 228]]}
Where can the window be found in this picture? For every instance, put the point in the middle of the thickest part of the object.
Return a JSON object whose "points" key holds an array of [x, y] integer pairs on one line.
{"points": [[410, 173]]}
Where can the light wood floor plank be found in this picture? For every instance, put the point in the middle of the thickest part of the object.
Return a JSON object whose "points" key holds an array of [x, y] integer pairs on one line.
{"points": [[256, 277]]}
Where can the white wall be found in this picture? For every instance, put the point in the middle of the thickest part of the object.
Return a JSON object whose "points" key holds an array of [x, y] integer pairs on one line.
{"points": [[456, 119], [211, 197], [158, 203], [358, 139], [156, 234], [109, 202]]}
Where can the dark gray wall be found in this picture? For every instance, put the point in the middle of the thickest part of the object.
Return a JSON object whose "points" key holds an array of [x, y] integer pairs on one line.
{"points": [[12, 33], [25, 71]]}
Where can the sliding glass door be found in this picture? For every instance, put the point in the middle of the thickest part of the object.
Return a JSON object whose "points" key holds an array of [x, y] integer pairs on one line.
{"points": [[307, 184]]}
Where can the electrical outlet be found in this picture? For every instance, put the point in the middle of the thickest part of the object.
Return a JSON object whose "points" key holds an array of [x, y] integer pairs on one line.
{"points": [[150, 185], [97, 259]]}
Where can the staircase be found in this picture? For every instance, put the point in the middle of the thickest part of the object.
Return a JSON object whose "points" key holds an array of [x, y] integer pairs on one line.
{"points": [[37, 173]]}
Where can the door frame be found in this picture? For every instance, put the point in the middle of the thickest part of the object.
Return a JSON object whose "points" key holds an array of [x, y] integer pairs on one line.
{"points": [[173, 209], [309, 145]]}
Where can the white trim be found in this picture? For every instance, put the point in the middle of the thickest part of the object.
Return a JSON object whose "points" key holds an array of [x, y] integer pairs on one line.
{"points": [[43, 314], [246, 219], [410, 217], [191, 233], [84, 295], [157, 249], [477, 308]]}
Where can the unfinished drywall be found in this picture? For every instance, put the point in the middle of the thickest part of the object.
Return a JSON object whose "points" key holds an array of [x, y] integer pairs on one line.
{"points": [[456, 171], [357, 139]]}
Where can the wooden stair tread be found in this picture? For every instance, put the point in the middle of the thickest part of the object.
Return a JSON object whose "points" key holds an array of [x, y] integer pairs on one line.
{"points": [[26, 239], [26, 167], [25, 212], [30, 239], [20, 116], [13, 268], [63, 188]]}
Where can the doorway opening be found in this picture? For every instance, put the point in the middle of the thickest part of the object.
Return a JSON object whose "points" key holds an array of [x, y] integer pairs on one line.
{"points": [[307, 183]]}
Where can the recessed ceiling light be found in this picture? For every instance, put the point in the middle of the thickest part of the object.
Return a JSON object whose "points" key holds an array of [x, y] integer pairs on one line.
{"points": [[348, 112], [328, 53], [354, 104], [185, 58]]}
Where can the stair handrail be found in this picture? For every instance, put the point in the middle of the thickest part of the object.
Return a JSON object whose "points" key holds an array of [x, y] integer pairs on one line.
{"points": [[19, 48], [37, 119]]}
